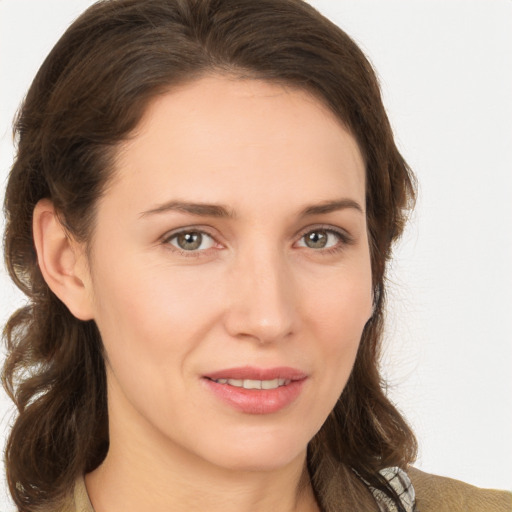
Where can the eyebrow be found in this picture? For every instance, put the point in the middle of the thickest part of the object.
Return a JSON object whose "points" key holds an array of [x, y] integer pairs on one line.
{"points": [[331, 206], [200, 209], [220, 211]]}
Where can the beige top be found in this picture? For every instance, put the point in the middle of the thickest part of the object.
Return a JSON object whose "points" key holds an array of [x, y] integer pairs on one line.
{"points": [[433, 494], [439, 494]]}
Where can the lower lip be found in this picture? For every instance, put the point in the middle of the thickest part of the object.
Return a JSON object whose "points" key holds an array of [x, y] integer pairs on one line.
{"points": [[257, 401]]}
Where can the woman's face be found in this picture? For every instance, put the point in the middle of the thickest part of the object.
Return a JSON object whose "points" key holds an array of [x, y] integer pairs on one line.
{"points": [[231, 254]]}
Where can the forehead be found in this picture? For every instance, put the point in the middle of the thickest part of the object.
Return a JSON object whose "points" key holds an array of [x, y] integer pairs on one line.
{"points": [[219, 137]]}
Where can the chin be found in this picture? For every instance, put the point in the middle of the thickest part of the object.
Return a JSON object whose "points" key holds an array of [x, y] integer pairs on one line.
{"points": [[261, 453], [258, 462]]}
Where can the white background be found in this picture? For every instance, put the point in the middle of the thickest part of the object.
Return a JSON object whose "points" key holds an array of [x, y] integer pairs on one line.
{"points": [[446, 75]]}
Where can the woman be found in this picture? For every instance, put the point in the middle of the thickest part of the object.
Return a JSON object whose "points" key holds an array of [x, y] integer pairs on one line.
{"points": [[201, 211]]}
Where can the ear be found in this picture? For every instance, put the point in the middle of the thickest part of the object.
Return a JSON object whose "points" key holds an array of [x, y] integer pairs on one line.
{"points": [[62, 261]]}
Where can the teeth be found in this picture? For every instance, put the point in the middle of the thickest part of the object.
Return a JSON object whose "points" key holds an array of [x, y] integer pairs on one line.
{"points": [[254, 384], [270, 384]]}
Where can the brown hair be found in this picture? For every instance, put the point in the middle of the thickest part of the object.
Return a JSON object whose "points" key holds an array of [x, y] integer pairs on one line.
{"points": [[88, 96]]}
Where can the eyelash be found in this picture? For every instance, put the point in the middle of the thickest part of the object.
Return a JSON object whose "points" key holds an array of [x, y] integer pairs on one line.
{"points": [[181, 252], [344, 240]]}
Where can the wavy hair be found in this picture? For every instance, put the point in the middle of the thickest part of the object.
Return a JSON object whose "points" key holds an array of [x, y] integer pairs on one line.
{"points": [[89, 96]]}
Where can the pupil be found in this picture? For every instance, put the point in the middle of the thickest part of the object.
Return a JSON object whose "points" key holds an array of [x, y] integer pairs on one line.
{"points": [[190, 241], [316, 239]]}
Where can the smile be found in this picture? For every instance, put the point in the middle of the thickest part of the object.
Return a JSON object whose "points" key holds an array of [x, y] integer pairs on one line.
{"points": [[252, 390], [254, 384]]}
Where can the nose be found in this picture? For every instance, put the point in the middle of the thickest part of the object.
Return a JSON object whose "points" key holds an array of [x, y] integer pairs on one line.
{"points": [[261, 298]]}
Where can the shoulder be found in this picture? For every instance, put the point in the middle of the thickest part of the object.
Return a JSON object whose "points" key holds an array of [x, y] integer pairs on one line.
{"points": [[440, 494]]}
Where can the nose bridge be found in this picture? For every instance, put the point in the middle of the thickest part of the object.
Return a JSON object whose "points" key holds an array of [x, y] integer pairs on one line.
{"points": [[261, 291]]}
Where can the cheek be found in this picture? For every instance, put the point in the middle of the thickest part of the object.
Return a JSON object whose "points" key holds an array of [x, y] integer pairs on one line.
{"points": [[149, 326], [344, 302], [335, 320], [338, 315], [151, 313]]}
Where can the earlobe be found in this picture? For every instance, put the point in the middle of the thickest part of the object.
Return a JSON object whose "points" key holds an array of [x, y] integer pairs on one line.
{"points": [[61, 261]]}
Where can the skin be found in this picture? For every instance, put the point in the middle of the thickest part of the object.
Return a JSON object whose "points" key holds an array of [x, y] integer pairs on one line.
{"points": [[254, 293]]}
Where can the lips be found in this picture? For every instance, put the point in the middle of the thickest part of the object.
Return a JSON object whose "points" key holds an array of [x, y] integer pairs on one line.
{"points": [[256, 390]]}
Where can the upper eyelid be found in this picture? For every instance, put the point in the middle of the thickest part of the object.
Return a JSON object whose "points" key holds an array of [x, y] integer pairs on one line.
{"points": [[325, 227], [205, 230], [208, 230]]}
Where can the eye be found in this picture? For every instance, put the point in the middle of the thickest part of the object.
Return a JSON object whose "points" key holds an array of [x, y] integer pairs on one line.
{"points": [[191, 241], [320, 239]]}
